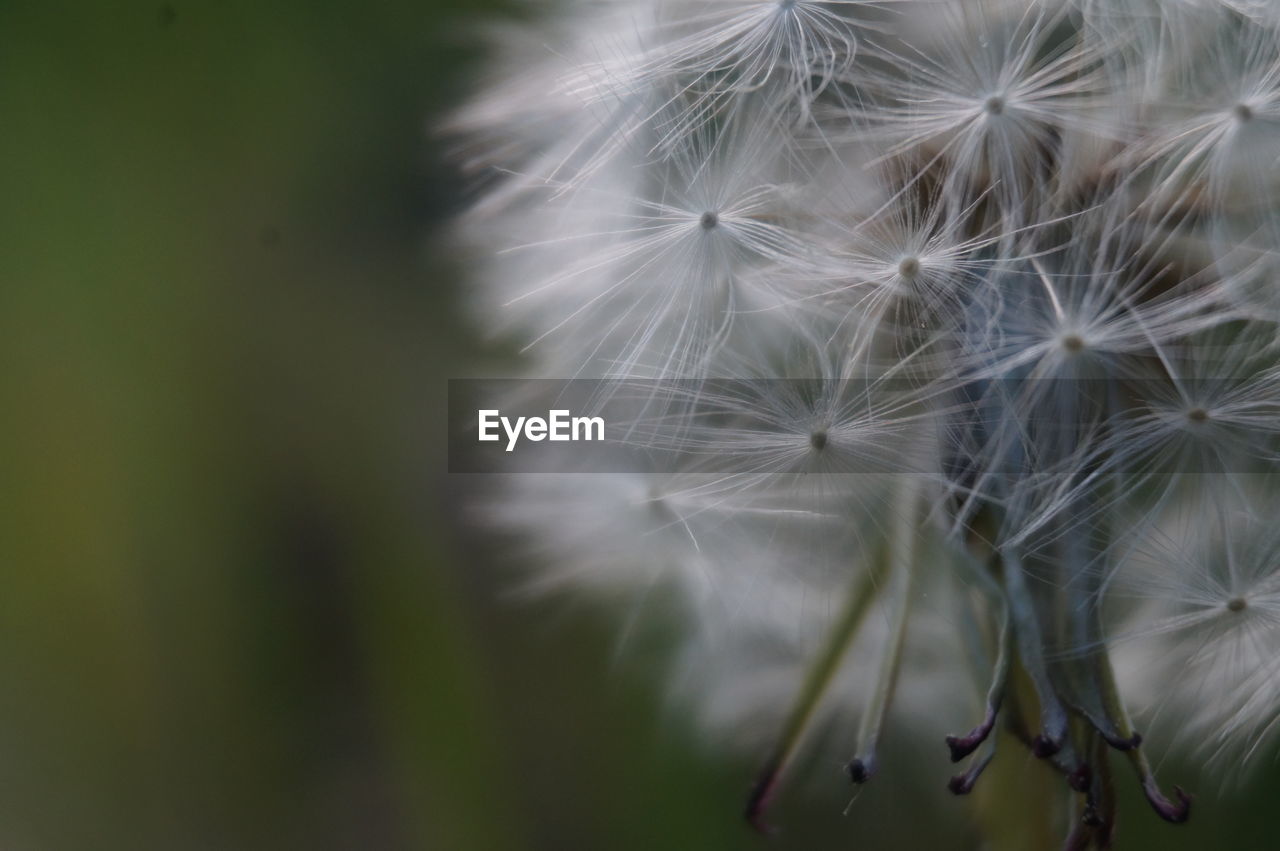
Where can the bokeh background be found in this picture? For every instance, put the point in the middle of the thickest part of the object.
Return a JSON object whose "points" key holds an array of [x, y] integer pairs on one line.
{"points": [[239, 604]]}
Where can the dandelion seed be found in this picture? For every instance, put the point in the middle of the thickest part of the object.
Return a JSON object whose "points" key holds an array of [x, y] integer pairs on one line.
{"points": [[1205, 603], [991, 115], [1215, 128]]}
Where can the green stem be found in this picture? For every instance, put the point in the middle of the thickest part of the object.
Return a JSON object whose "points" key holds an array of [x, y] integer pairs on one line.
{"points": [[903, 539], [862, 593]]}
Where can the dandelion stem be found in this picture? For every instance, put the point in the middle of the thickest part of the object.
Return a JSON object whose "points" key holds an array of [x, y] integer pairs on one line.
{"points": [[862, 593], [1166, 809], [962, 784], [902, 540], [962, 746], [1053, 717], [1101, 803]]}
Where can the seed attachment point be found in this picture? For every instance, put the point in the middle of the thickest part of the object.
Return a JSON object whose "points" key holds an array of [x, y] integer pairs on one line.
{"points": [[859, 771]]}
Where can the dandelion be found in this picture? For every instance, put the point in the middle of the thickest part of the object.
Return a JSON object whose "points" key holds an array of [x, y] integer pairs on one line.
{"points": [[666, 258], [1214, 129], [904, 260], [721, 49], [1205, 596], [945, 335], [991, 103], [1215, 411]]}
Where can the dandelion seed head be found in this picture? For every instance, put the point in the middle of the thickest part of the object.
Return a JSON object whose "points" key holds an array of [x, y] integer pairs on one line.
{"points": [[967, 300]]}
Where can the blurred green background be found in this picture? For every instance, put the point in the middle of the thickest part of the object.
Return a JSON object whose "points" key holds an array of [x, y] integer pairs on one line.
{"points": [[239, 608]]}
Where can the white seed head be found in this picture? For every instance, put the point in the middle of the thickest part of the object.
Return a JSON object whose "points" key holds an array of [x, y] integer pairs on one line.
{"points": [[967, 300]]}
